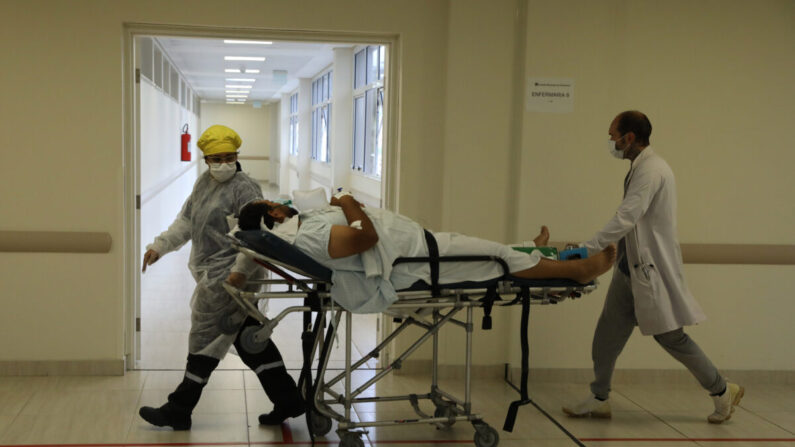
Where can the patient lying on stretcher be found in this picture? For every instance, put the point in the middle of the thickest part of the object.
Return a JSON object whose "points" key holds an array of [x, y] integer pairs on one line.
{"points": [[360, 245]]}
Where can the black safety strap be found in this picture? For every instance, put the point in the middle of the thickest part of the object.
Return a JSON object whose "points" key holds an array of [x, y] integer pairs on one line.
{"points": [[510, 419], [433, 255], [308, 337], [488, 303]]}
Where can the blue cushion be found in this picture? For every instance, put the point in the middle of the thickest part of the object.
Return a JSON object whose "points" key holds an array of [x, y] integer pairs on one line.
{"points": [[272, 246]]}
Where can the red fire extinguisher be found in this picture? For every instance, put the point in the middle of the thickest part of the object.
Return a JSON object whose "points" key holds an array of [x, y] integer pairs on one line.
{"points": [[184, 140]]}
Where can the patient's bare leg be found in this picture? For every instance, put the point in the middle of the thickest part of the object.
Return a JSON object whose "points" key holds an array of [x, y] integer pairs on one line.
{"points": [[543, 238], [580, 270]]}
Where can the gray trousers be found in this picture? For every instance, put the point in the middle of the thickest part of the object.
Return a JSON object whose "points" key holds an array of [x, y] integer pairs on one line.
{"points": [[616, 325]]}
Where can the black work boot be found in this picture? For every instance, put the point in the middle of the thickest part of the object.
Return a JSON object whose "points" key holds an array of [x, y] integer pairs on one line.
{"points": [[167, 416], [281, 413], [276, 381], [177, 411], [280, 388]]}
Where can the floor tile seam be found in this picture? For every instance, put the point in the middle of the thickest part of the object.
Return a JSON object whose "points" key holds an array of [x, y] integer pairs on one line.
{"points": [[19, 413], [653, 415], [558, 424], [768, 420], [245, 405], [132, 420]]}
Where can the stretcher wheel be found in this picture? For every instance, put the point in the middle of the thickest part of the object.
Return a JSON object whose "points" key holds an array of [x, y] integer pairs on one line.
{"points": [[249, 342], [486, 436], [444, 411], [351, 440], [319, 424], [229, 323]]}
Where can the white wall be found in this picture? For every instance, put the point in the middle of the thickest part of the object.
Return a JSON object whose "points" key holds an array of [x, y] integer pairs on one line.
{"points": [[166, 181], [255, 127], [275, 143]]}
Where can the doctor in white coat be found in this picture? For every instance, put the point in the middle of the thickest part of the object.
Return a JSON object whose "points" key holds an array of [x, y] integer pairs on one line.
{"points": [[648, 288]]}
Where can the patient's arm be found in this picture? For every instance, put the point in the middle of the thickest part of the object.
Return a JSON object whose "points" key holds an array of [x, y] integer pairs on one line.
{"points": [[345, 240]]}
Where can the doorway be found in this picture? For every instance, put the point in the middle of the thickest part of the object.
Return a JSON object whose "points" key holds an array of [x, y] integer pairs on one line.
{"points": [[158, 302]]}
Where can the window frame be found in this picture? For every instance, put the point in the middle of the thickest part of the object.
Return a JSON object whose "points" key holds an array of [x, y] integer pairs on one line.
{"points": [[292, 147], [368, 137], [321, 116]]}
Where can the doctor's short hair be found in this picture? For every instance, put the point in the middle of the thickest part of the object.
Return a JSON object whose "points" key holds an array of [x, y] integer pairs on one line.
{"points": [[637, 123]]}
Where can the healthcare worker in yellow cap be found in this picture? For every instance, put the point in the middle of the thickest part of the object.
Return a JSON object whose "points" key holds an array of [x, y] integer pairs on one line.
{"points": [[206, 216]]}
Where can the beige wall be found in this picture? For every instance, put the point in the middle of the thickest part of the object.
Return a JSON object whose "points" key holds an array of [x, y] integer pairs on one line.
{"points": [[714, 80], [714, 77], [255, 128], [65, 110]]}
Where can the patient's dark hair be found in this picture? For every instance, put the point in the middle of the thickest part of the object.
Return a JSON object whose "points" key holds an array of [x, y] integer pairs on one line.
{"points": [[637, 123], [252, 214]]}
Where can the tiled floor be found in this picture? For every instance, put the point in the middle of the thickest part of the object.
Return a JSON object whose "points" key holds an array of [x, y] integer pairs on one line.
{"points": [[103, 411]]}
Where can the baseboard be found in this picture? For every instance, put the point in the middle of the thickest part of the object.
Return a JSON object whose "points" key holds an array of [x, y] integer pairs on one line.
{"points": [[651, 376], [585, 375], [417, 367], [62, 368]]}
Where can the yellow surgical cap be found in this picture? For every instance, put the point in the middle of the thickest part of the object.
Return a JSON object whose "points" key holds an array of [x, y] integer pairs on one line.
{"points": [[217, 139]]}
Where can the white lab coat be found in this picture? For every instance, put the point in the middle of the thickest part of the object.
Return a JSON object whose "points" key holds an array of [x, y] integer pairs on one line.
{"points": [[647, 217]]}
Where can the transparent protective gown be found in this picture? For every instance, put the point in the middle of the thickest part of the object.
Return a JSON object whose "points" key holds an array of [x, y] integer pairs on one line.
{"points": [[205, 218]]}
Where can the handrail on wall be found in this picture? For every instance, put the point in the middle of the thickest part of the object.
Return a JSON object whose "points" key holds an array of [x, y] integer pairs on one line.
{"points": [[54, 242], [100, 242]]}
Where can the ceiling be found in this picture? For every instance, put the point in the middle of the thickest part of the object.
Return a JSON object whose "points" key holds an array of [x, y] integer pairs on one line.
{"points": [[201, 62]]}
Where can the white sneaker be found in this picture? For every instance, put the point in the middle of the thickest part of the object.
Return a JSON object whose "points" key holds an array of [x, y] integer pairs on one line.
{"points": [[725, 403], [589, 407]]}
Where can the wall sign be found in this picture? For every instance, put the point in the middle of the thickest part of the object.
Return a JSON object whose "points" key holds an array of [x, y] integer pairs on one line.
{"points": [[550, 95]]}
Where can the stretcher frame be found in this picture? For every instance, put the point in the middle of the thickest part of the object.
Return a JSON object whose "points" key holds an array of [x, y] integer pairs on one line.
{"points": [[441, 308]]}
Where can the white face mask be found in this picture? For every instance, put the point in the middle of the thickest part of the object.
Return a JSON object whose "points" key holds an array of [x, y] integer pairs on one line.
{"points": [[618, 153], [223, 171]]}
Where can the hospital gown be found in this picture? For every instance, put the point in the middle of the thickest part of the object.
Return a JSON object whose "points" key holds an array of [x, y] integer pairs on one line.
{"points": [[204, 219], [367, 282]]}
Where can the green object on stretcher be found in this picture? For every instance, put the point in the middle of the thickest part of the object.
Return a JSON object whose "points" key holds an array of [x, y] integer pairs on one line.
{"points": [[547, 252]]}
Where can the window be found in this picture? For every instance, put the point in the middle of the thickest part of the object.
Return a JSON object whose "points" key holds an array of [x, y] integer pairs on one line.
{"points": [[368, 110], [321, 117], [294, 124]]}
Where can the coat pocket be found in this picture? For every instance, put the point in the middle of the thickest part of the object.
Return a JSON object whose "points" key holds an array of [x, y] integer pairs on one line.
{"points": [[647, 275]]}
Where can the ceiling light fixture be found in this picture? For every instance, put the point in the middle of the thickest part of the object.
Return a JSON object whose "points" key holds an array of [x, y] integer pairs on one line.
{"points": [[250, 42], [230, 86], [237, 96], [241, 79], [243, 58], [232, 70], [237, 91], [234, 102], [252, 71]]}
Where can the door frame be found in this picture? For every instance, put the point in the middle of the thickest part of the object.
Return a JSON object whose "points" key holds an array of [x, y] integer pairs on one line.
{"points": [[131, 144]]}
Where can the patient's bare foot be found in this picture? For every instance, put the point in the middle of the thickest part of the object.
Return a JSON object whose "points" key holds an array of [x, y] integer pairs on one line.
{"points": [[543, 238], [596, 265]]}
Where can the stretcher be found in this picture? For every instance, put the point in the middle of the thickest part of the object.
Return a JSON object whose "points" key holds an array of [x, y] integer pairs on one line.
{"points": [[428, 306]]}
